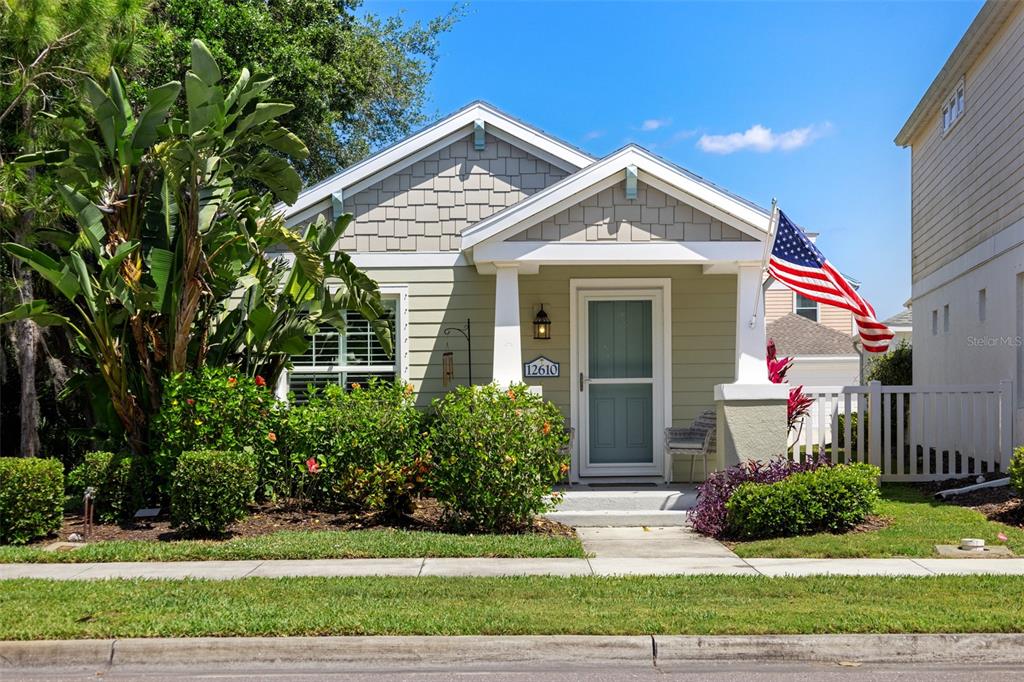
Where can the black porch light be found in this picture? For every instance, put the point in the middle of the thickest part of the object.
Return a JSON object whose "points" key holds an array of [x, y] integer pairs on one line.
{"points": [[541, 324]]}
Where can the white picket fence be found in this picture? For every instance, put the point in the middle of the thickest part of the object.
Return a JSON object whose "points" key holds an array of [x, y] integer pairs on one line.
{"points": [[913, 433]]}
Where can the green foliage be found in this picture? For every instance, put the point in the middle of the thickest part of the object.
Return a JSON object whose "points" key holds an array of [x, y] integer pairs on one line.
{"points": [[895, 368], [357, 83], [117, 494], [832, 499], [31, 498], [497, 454], [215, 408], [172, 255], [364, 449], [211, 489], [1016, 470]]}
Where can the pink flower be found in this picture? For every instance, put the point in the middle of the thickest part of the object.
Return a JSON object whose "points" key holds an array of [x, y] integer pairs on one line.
{"points": [[312, 465], [1002, 537]]}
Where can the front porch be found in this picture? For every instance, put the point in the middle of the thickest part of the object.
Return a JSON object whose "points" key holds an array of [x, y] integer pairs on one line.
{"points": [[651, 279]]}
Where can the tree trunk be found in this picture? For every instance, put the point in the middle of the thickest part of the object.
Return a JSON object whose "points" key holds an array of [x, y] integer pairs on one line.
{"points": [[26, 335]]}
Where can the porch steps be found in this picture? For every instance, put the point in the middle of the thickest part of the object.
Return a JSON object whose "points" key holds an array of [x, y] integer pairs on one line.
{"points": [[583, 507]]}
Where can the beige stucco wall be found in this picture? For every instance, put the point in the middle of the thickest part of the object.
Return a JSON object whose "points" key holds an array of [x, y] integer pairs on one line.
{"points": [[968, 184], [609, 216]]}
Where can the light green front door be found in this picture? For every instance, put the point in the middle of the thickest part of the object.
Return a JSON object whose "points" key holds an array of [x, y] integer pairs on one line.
{"points": [[619, 386]]}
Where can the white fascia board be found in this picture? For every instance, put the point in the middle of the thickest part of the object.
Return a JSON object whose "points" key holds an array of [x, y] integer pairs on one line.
{"points": [[459, 123], [607, 172], [596, 253], [385, 260]]}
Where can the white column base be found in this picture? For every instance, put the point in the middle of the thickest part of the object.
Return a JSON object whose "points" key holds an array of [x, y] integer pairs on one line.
{"points": [[751, 422]]}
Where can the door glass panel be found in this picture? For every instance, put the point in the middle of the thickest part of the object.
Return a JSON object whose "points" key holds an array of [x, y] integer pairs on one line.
{"points": [[620, 339], [620, 423]]}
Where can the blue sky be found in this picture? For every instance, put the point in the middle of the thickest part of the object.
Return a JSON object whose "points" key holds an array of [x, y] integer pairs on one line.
{"points": [[702, 83]]}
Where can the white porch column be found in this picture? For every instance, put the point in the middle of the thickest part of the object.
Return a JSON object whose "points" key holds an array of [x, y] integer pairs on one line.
{"points": [[508, 354], [751, 367]]}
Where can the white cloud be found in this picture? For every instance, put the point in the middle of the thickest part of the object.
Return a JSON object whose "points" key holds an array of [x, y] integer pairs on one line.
{"points": [[760, 139], [654, 123], [593, 135]]}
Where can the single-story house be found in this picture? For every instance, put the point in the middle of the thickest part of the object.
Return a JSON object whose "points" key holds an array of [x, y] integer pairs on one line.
{"points": [[822, 355], [902, 325], [647, 276]]}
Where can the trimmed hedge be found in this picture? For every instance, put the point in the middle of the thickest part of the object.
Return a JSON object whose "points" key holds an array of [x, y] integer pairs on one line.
{"points": [[117, 494], [1016, 470], [497, 455], [832, 499], [212, 489], [31, 498]]}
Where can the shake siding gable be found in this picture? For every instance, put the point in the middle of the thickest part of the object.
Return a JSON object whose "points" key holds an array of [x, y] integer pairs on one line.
{"points": [[426, 205], [608, 216], [968, 184]]}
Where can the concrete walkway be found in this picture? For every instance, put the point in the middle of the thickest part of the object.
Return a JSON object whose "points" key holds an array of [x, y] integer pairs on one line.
{"points": [[595, 566]]}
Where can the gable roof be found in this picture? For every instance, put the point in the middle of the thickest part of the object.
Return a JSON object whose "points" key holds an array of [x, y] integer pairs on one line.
{"points": [[903, 319], [991, 17], [652, 170], [440, 134], [796, 335]]}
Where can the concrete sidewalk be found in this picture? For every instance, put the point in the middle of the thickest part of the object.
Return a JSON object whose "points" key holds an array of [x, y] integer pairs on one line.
{"points": [[475, 567]]}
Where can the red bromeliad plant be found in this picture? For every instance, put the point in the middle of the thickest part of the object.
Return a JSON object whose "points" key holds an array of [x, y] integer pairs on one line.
{"points": [[798, 404]]}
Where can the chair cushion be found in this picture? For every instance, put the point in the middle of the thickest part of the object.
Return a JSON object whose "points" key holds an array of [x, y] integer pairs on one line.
{"points": [[686, 444]]}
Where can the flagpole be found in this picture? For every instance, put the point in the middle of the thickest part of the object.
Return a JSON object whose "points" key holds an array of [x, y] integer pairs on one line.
{"points": [[769, 242]]}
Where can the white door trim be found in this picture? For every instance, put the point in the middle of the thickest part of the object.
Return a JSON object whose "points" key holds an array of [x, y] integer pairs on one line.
{"points": [[662, 368]]}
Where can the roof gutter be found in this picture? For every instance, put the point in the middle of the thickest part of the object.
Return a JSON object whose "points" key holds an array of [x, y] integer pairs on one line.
{"points": [[979, 35]]}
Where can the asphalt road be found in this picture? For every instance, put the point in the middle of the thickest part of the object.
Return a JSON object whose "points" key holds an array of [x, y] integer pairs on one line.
{"points": [[734, 672]]}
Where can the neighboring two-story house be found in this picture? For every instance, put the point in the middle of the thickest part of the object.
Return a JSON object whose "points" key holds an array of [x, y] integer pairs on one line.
{"points": [[966, 137]]}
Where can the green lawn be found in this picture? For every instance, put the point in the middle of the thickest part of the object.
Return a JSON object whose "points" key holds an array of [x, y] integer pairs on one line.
{"points": [[919, 522], [310, 545], [40, 609]]}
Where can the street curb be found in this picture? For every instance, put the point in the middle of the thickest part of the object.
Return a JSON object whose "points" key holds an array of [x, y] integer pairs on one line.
{"points": [[964, 649], [585, 650]]}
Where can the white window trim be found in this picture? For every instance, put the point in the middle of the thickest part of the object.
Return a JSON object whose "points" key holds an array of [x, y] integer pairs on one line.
{"points": [[817, 305], [397, 292], [955, 101]]}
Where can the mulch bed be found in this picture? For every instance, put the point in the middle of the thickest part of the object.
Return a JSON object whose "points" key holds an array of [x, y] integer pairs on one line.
{"points": [[997, 504], [271, 518]]}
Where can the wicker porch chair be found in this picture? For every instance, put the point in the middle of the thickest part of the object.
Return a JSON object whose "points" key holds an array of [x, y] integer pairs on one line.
{"points": [[698, 440]]}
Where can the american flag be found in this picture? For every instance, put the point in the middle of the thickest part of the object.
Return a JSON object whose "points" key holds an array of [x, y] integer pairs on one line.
{"points": [[798, 264]]}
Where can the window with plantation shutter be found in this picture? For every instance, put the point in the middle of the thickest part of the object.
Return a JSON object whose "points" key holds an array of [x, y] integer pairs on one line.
{"points": [[345, 359]]}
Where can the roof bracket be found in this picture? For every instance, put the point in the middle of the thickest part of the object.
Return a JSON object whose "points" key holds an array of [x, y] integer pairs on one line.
{"points": [[337, 204], [631, 182], [479, 141]]}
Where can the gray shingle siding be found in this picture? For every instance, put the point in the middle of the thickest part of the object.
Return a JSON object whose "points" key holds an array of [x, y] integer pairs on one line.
{"points": [[610, 216], [425, 206]]}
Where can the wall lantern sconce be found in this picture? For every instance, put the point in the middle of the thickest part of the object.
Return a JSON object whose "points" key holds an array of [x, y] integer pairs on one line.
{"points": [[541, 324]]}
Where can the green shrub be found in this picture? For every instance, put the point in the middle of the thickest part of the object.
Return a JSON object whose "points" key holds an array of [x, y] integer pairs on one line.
{"points": [[364, 450], [1016, 470], [117, 494], [211, 489], [31, 498], [831, 498], [497, 454], [219, 409]]}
